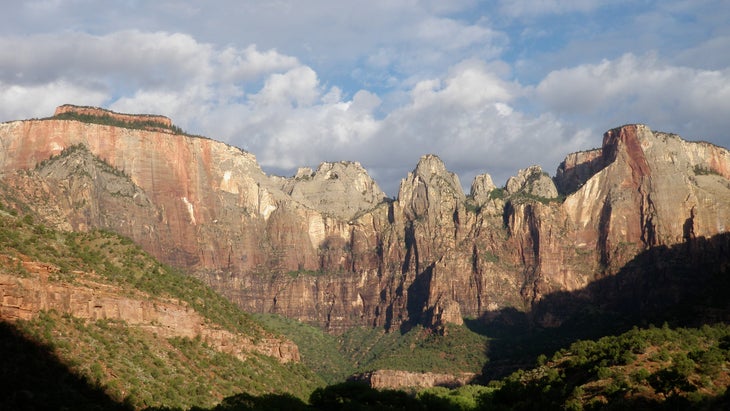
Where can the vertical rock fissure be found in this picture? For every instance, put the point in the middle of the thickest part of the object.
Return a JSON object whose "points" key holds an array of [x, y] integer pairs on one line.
{"points": [[477, 277], [647, 212], [604, 228], [688, 228]]}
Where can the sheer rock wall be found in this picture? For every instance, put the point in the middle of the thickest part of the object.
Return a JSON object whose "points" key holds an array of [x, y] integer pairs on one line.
{"points": [[431, 256]]}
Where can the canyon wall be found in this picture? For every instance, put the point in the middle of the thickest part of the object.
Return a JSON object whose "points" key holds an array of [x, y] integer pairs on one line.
{"points": [[22, 298], [326, 246]]}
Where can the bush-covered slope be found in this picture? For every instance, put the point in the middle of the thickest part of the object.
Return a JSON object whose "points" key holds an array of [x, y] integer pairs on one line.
{"points": [[360, 349], [126, 365], [646, 369], [655, 368]]}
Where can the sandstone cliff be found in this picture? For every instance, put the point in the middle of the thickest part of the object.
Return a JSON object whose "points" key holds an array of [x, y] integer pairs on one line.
{"points": [[149, 121], [398, 380], [432, 256], [341, 189], [90, 299]]}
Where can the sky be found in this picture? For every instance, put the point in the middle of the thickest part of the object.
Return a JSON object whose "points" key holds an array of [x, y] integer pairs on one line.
{"points": [[488, 86]]}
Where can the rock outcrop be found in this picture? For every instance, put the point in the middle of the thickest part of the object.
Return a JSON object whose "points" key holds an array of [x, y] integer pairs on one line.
{"points": [[532, 181], [327, 248], [395, 379], [148, 120], [341, 189], [89, 299], [481, 187]]}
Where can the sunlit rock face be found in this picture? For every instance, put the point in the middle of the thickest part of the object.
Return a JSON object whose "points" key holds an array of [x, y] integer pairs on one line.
{"points": [[341, 189], [396, 379], [89, 299], [326, 247]]}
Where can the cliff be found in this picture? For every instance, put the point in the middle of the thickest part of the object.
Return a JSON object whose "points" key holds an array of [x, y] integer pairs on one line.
{"points": [[325, 246], [398, 380], [150, 121], [89, 298]]}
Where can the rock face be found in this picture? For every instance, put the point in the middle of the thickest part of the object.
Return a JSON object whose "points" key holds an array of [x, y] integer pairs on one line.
{"points": [[24, 298], [327, 248], [532, 181], [394, 379], [481, 187], [341, 189], [160, 121]]}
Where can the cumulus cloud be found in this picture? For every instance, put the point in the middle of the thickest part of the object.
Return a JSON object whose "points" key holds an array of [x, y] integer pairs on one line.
{"points": [[466, 117], [297, 88], [278, 108], [133, 58], [18, 101], [379, 82], [166, 73], [642, 89]]}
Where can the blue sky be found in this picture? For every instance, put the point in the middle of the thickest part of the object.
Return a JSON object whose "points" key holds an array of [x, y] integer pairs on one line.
{"points": [[490, 86]]}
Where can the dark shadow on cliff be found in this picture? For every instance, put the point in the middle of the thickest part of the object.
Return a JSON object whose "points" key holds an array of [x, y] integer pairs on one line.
{"points": [[683, 285], [417, 299], [32, 378]]}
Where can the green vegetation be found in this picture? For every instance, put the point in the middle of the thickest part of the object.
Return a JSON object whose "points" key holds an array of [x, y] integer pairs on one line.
{"points": [[33, 378], [318, 350], [361, 349], [525, 197], [143, 369], [68, 151], [419, 350], [119, 261], [489, 257], [108, 120], [650, 369], [471, 205], [130, 365], [111, 365], [655, 368], [497, 193], [704, 171]]}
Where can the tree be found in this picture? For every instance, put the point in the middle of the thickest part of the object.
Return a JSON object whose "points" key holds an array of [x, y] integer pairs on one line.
{"points": [[669, 382]]}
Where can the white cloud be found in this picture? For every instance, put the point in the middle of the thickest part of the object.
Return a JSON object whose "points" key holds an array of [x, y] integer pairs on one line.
{"points": [[40, 100], [297, 87], [644, 89], [250, 63], [134, 58], [277, 108], [380, 82], [466, 119]]}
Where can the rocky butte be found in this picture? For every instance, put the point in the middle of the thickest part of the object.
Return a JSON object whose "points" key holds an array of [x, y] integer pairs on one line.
{"points": [[327, 247]]}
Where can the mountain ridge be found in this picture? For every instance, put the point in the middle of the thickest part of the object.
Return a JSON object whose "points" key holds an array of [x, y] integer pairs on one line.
{"points": [[431, 256]]}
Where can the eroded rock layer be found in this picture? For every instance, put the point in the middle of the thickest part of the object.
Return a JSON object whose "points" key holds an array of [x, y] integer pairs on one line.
{"points": [[90, 299]]}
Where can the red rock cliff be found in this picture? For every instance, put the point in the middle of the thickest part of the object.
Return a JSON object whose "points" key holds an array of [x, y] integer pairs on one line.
{"points": [[432, 256], [24, 298]]}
